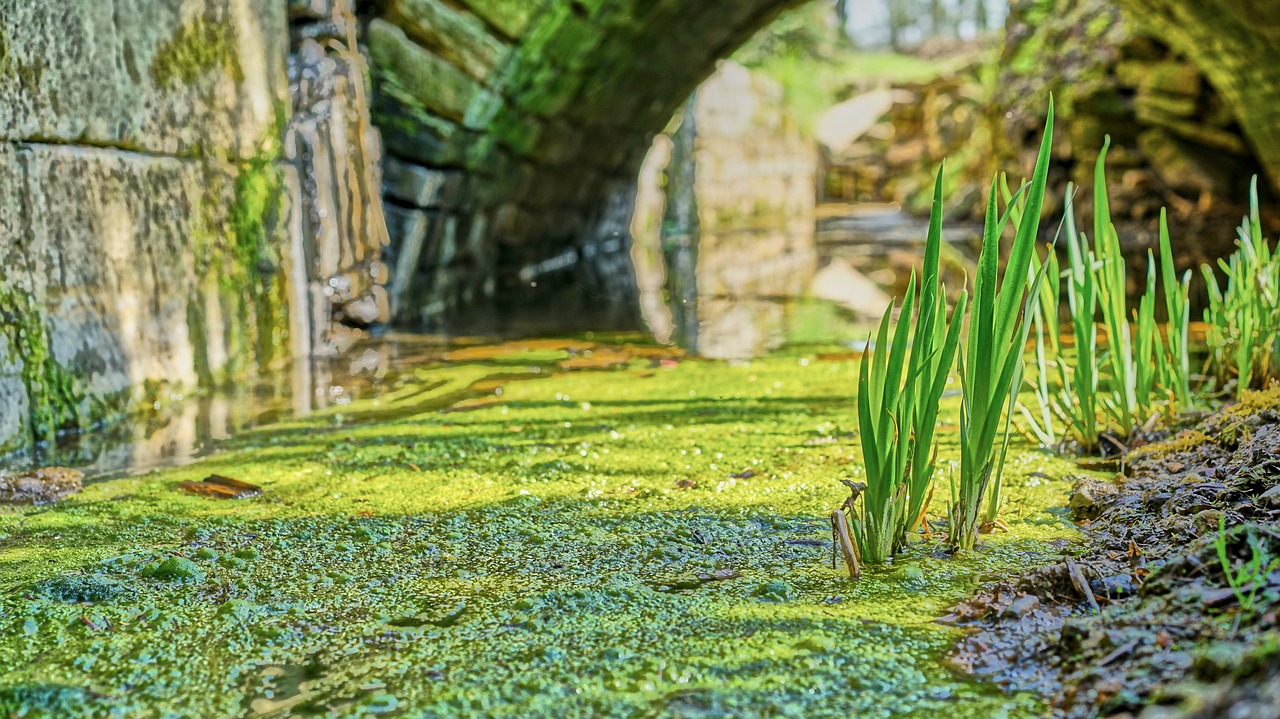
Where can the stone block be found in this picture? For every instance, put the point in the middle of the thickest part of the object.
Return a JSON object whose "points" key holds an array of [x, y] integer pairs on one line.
{"points": [[199, 77], [1154, 107], [1172, 78], [117, 246], [416, 185], [510, 17], [436, 85], [459, 38]]}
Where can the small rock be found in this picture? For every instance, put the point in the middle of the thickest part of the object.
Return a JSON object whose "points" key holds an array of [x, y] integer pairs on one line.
{"points": [[1115, 586], [1020, 607], [1207, 521], [40, 486], [1089, 497]]}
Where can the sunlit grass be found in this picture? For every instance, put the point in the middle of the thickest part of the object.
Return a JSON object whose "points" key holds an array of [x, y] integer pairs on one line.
{"points": [[1243, 318]]}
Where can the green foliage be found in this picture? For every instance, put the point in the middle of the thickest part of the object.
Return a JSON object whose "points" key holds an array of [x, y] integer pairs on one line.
{"points": [[1244, 318], [1251, 577], [1149, 371], [805, 53], [992, 362], [898, 393]]}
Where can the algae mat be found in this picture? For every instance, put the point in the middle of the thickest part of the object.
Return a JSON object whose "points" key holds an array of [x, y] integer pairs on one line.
{"points": [[643, 536]]}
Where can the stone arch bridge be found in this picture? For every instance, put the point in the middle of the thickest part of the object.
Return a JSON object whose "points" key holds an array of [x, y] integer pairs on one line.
{"points": [[514, 129], [192, 191]]}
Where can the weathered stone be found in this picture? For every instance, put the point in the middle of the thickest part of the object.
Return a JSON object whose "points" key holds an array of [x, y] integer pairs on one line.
{"points": [[416, 185], [1172, 78], [1180, 166], [431, 82], [194, 78], [337, 152], [1156, 107], [456, 37], [371, 308], [510, 17], [126, 250], [309, 9], [409, 230], [1236, 44], [1090, 497]]}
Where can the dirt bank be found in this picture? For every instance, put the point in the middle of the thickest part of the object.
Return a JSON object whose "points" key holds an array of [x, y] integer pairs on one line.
{"points": [[1146, 620]]}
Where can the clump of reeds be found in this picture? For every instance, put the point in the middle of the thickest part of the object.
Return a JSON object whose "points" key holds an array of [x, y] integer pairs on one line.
{"points": [[1142, 373], [1242, 320], [903, 374], [900, 383]]}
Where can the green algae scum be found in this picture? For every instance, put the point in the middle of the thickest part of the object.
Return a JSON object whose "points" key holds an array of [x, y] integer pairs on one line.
{"points": [[630, 534]]}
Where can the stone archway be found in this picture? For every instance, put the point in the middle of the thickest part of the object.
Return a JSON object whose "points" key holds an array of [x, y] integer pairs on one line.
{"points": [[514, 129], [513, 132]]}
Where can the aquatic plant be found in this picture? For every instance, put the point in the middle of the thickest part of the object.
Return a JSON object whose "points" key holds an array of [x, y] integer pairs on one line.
{"points": [[1149, 371], [899, 387], [991, 364], [1243, 320]]}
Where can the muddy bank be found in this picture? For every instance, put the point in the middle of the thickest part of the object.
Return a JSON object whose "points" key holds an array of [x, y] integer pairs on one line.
{"points": [[1169, 608]]}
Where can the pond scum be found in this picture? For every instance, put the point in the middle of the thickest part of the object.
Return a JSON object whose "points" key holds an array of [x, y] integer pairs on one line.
{"points": [[635, 533], [649, 539]]}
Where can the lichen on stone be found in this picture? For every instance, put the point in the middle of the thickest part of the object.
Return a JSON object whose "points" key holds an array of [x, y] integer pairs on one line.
{"points": [[200, 46]]}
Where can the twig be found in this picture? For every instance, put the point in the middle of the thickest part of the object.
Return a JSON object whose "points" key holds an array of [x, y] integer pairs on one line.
{"points": [[841, 527], [1119, 652], [1082, 585]]}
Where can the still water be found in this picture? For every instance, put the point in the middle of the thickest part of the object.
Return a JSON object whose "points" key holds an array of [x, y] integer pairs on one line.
{"points": [[760, 290], [808, 283]]}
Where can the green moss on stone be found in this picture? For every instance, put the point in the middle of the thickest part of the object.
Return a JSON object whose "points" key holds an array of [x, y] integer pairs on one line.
{"points": [[56, 401], [199, 47]]}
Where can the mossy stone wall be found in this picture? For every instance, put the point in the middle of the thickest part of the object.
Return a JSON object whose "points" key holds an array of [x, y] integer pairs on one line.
{"points": [[536, 115]]}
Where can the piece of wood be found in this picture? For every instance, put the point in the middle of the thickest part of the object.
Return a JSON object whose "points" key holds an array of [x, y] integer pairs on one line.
{"points": [[841, 527], [1081, 584], [219, 487]]}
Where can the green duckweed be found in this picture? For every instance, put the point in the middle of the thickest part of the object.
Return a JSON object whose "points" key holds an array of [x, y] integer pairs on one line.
{"points": [[537, 557]]}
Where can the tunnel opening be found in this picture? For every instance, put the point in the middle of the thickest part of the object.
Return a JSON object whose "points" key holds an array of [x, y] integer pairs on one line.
{"points": [[510, 194]]}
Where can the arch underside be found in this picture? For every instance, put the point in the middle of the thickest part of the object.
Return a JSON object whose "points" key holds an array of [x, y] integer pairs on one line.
{"points": [[514, 129], [513, 132]]}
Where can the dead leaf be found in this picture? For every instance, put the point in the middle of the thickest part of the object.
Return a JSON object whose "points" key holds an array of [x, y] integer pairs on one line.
{"points": [[216, 486]]}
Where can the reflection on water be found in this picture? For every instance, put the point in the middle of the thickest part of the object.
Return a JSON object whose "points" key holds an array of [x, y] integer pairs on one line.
{"points": [[823, 281], [184, 429], [758, 289]]}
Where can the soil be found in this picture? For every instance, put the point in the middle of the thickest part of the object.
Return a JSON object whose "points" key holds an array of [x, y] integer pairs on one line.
{"points": [[1144, 620]]}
